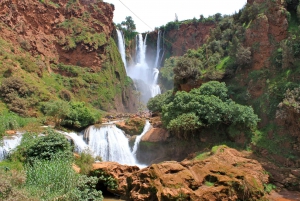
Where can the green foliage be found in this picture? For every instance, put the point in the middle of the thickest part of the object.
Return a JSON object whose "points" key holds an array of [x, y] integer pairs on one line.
{"points": [[202, 156], [79, 32], [108, 180], [49, 3], [18, 95], [208, 183], [292, 100], [85, 162], [46, 147], [80, 115], [58, 109], [203, 107], [72, 114], [214, 88], [243, 56], [269, 187], [187, 70], [166, 72], [55, 179], [129, 24], [155, 104], [128, 27], [12, 186], [11, 121], [185, 124]]}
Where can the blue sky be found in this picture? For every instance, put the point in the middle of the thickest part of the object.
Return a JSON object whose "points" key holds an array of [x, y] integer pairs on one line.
{"points": [[156, 13]]}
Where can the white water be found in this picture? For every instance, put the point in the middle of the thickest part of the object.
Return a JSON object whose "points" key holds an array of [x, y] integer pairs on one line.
{"points": [[109, 142], [80, 145], [138, 138], [121, 47], [158, 49], [8, 144], [145, 77]]}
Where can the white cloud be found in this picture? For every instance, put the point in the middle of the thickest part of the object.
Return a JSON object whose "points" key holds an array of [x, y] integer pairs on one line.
{"points": [[156, 13]]}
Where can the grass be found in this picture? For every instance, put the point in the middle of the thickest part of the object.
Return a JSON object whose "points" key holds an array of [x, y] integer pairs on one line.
{"points": [[11, 121], [207, 183], [221, 65], [50, 179]]}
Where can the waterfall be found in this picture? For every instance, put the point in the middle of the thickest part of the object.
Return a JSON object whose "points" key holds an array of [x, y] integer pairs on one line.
{"points": [[108, 142], [121, 47], [145, 77], [79, 144], [158, 49], [111, 144], [9, 143], [138, 138]]}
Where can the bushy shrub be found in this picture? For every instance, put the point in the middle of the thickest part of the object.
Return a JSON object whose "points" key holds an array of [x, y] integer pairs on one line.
{"points": [[85, 162], [187, 70], [51, 145], [243, 56], [155, 104], [12, 186], [57, 109], [17, 94], [80, 115], [205, 106], [65, 95]]}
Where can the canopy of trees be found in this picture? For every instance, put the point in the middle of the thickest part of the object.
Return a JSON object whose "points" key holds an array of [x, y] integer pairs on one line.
{"points": [[208, 105]]}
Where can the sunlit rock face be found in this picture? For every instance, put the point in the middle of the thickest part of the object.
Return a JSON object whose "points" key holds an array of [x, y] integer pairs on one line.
{"points": [[224, 173]]}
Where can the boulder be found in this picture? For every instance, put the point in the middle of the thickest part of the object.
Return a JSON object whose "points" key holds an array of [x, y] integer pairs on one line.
{"points": [[224, 174]]}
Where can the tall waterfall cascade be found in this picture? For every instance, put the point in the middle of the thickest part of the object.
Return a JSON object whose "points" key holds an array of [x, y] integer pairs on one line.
{"points": [[144, 76], [121, 47], [8, 144]]}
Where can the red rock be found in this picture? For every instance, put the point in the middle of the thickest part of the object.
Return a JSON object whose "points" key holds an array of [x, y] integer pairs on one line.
{"points": [[226, 175], [10, 132]]}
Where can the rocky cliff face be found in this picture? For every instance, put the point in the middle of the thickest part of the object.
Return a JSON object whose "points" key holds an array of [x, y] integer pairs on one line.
{"points": [[175, 42], [265, 31], [67, 37], [39, 25]]}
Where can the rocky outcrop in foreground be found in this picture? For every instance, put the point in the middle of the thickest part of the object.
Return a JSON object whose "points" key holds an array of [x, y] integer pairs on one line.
{"points": [[223, 174]]}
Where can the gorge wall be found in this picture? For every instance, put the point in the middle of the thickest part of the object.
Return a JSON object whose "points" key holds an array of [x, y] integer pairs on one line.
{"points": [[72, 39]]}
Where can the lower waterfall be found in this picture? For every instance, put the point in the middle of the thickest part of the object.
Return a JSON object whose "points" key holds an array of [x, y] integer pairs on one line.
{"points": [[108, 142]]}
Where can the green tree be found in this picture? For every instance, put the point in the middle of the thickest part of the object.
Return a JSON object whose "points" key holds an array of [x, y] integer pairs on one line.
{"points": [[208, 105], [155, 104], [187, 70], [243, 56], [167, 74], [129, 24]]}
